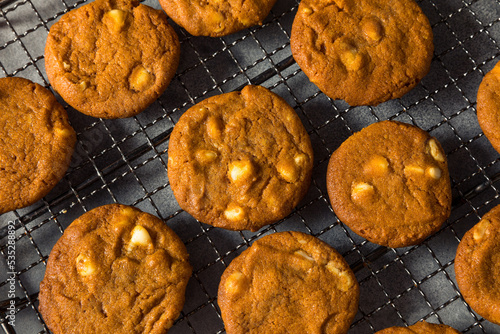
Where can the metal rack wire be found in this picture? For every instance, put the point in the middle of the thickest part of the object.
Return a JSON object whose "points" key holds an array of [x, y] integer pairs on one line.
{"points": [[125, 161]]}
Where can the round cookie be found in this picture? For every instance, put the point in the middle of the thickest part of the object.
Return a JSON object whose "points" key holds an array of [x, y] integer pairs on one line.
{"points": [[421, 327], [36, 143], [240, 160], [216, 18], [116, 269], [288, 282], [111, 58], [390, 184], [477, 266], [362, 51], [488, 106]]}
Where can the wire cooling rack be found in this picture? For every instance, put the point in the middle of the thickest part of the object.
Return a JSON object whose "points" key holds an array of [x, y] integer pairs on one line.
{"points": [[125, 161]]}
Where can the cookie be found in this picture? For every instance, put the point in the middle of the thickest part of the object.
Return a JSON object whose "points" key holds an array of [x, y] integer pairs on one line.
{"points": [[421, 327], [477, 266], [488, 106], [111, 58], [36, 143], [390, 184], [216, 18], [240, 160], [288, 282], [362, 51], [116, 269]]}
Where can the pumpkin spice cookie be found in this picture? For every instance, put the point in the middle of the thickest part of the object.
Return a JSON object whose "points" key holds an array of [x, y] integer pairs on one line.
{"points": [[477, 266], [488, 106], [116, 269], [390, 184], [216, 18], [421, 327], [362, 51], [111, 58], [36, 143], [288, 282], [240, 160]]}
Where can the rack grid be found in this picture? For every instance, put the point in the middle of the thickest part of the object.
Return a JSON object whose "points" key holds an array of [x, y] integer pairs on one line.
{"points": [[125, 161]]}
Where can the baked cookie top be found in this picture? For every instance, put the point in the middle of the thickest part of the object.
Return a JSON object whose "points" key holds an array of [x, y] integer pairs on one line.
{"points": [[362, 51], [477, 266], [390, 184], [216, 18], [36, 142], [116, 269], [488, 106], [111, 58], [421, 327], [240, 160], [288, 282]]}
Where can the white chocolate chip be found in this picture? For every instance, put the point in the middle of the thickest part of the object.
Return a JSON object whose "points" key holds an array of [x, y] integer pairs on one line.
{"points": [[307, 11], [345, 280], [214, 128], [435, 151], [66, 66], [306, 256], [236, 283], [234, 212], [413, 169], [206, 156], [82, 85], [241, 171], [377, 165], [116, 19], [373, 30], [300, 159], [140, 237], [480, 229], [352, 59], [362, 191], [288, 170], [140, 79], [84, 266], [434, 172]]}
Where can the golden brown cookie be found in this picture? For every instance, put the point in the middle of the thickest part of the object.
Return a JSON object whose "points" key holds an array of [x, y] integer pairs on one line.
{"points": [[488, 106], [421, 327], [216, 18], [111, 58], [390, 184], [36, 143], [116, 269], [362, 51], [477, 266], [288, 282], [240, 160]]}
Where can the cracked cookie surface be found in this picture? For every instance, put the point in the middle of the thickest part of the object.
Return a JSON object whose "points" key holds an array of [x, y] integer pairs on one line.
{"points": [[390, 184], [111, 58], [216, 18], [116, 269], [477, 266], [36, 143], [421, 327], [488, 106], [240, 160], [288, 282], [364, 52]]}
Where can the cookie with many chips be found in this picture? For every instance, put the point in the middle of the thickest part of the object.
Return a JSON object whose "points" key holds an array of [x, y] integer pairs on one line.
{"points": [[116, 269]]}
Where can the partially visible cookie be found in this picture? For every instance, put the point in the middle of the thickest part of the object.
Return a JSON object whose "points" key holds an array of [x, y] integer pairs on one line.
{"points": [[116, 269], [240, 160], [288, 282], [36, 143], [488, 106], [390, 184], [111, 58], [216, 18], [477, 266], [362, 51], [421, 327]]}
